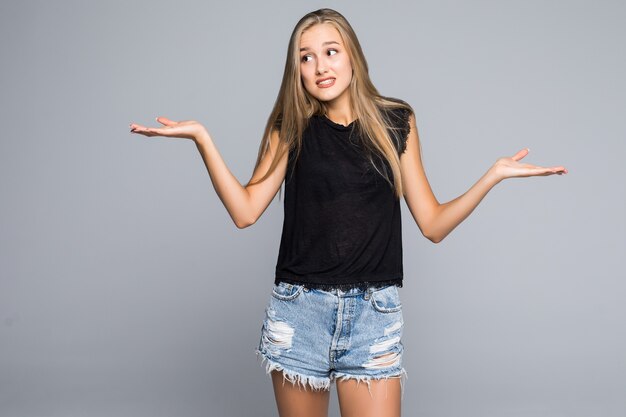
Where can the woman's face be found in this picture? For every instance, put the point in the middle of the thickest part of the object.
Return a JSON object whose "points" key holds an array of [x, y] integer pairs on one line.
{"points": [[324, 64]]}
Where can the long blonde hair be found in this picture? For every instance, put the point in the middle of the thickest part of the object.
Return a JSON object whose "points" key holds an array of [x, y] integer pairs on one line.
{"points": [[294, 105]]}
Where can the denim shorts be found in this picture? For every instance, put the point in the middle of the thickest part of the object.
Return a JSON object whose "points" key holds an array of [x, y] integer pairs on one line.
{"points": [[316, 336]]}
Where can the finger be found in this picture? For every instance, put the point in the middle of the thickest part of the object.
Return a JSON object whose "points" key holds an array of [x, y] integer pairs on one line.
{"points": [[520, 154], [554, 169], [559, 170], [165, 121], [135, 128], [548, 171], [154, 131]]}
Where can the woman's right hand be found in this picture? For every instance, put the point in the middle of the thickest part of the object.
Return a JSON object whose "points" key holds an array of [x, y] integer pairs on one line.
{"points": [[188, 129], [245, 204]]}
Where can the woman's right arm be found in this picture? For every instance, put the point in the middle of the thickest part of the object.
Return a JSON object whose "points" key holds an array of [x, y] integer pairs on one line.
{"points": [[245, 204]]}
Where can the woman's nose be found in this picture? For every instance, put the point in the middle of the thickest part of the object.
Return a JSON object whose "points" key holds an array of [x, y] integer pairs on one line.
{"points": [[321, 67]]}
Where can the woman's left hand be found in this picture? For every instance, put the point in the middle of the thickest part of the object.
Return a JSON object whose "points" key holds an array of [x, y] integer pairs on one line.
{"points": [[510, 167]]}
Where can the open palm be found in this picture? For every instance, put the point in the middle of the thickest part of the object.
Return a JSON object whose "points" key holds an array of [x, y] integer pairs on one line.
{"points": [[511, 167], [188, 129]]}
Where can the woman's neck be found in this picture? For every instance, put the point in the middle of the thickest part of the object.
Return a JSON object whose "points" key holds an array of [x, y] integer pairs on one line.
{"points": [[340, 113]]}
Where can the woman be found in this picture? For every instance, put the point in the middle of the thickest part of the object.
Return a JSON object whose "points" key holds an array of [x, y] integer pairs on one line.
{"points": [[346, 155]]}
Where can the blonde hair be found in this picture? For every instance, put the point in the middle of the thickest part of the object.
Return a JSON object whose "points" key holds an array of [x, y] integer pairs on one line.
{"points": [[294, 105]]}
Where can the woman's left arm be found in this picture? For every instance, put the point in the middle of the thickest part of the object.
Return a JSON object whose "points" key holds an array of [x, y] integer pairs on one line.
{"points": [[437, 220]]}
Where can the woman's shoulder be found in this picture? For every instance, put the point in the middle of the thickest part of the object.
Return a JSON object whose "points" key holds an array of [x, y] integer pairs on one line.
{"points": [[396, 108], [397, 114]]}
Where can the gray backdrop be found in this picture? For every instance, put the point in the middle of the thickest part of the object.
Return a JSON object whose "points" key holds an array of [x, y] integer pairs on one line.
{"points": [[126, 290]]}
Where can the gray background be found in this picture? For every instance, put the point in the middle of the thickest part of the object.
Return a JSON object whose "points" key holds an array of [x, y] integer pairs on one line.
{"points": [[125, 289]]}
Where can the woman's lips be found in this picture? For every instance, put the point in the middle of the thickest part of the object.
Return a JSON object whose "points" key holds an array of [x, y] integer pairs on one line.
{"points": [[327, 83]]}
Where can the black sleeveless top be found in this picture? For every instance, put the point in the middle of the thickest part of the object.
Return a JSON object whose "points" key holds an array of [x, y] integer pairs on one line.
{"points": [[342, 226]]}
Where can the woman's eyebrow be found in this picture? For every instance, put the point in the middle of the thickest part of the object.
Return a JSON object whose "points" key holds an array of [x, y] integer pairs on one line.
{"points": [[324, 44]]}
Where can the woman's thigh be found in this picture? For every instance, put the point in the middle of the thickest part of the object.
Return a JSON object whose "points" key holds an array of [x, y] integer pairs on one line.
{"points": [[295, 401], [373, 398]]}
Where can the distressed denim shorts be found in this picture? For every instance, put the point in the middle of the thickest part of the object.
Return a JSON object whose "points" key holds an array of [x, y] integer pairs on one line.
{"points": [[315, 336]]}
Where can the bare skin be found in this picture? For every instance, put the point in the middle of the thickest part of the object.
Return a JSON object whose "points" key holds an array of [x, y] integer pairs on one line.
{"points": [[382, 399], [296, 401], [324, 56], [323, 59]]}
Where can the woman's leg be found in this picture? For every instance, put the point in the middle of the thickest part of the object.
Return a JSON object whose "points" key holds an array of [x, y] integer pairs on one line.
{"points": [[296, 401], [380, 399]]}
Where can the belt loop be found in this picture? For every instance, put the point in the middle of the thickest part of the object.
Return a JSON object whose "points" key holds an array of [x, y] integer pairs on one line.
{"points": [[368, 292]]}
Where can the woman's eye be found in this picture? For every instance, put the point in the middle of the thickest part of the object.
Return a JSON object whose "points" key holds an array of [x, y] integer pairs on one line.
{"points": [[305, 57]]}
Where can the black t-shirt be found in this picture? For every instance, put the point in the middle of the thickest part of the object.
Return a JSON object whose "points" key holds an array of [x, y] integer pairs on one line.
{"points": [[342, 226]]}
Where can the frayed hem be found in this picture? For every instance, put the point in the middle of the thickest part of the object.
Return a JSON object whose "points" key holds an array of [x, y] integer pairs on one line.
{"points": [[368, 378], [297, 379]]}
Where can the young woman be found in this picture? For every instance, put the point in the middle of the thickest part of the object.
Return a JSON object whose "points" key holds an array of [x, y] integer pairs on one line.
{"points": [[346, 155]]}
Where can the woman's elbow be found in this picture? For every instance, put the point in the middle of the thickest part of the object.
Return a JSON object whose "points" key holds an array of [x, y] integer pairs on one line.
{"points": [[435, 239], [244, 222], [242, 225], [433, 236]]}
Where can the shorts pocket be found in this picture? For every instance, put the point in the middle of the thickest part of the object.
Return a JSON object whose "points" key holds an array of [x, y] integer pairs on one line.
{"points": [[286, 292], [386, 300]]}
